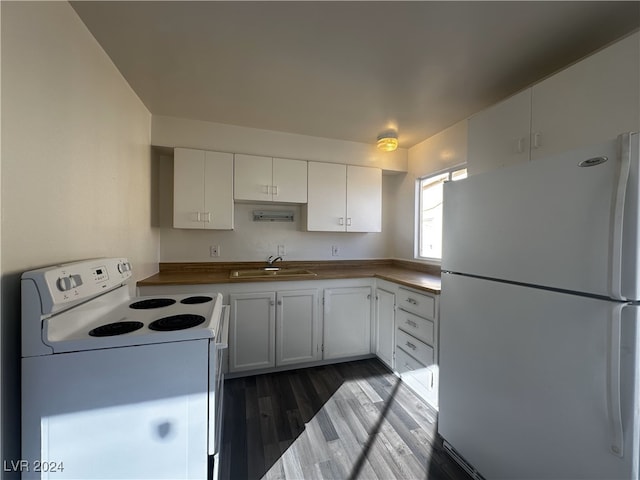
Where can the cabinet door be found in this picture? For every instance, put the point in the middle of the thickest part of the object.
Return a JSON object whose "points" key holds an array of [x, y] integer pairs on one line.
{"points": [[253, 178], [347, 322], [364, 199], [218, 191], [593, 100], [188, 188], [385, 320], [289, 180], [252, 331], [499, 135], [297, 327], [327, 197]]}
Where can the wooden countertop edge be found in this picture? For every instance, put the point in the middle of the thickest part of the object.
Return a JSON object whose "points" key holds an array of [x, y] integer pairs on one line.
{"points": [[411, 274]]}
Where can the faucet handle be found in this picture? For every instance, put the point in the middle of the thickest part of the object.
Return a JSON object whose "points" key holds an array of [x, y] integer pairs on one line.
{"points": [[270, 259]]}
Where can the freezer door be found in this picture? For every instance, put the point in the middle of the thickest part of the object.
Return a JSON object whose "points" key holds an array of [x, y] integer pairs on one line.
{"points": [[538, 384], [556, 222]]}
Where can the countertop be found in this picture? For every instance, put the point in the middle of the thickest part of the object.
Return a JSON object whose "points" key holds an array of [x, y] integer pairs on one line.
{"points": [[411, 274]]}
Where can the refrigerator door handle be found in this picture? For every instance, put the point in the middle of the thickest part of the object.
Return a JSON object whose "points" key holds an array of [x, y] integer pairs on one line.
{"points": [[615, 271], [613, 382]]}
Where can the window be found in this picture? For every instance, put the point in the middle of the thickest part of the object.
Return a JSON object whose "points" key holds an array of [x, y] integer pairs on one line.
{"points": [[430, 212]]}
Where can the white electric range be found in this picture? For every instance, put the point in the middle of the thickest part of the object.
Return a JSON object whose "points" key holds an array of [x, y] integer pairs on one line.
{"points": [[116, 386]]}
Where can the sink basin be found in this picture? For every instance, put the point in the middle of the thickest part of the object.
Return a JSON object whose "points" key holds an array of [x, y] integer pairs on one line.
{"points": [[271, 272]]}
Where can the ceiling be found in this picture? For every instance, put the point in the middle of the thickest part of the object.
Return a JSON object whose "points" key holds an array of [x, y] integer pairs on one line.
{"points": [[345, 70]]}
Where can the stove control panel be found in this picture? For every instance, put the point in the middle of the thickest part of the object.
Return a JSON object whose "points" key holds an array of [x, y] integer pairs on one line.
{"points": [[67, 283], [62, 285], [101, 274]]}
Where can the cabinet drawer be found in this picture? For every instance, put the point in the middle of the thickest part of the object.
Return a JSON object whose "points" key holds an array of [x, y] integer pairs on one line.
{"points": [[416, 326], [422, 379], [414, 347], [406, 363], [418, 303]]}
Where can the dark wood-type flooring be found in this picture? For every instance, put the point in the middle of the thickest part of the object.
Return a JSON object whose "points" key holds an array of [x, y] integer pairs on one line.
{"points": [[351, 421]]}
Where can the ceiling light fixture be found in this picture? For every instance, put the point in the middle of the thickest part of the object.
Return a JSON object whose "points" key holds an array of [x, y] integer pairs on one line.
{"points": [[388, 141]]}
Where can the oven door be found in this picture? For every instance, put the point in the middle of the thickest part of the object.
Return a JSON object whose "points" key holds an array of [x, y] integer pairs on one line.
{"points": [[216, 384]]}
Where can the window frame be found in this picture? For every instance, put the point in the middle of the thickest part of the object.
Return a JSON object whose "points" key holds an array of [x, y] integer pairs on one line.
{"points": [[449, 171]]}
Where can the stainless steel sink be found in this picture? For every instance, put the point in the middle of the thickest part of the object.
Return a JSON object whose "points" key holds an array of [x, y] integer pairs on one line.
{"points": [[271, 272]]}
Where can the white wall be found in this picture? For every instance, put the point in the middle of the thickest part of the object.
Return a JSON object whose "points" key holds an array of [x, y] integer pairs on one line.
{"points": [[255, 241], [179, 132], [443, 150], [76, 165]]}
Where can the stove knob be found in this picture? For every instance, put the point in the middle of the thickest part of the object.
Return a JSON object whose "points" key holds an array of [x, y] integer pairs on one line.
{"points": [[124, 267], [64, 284]]}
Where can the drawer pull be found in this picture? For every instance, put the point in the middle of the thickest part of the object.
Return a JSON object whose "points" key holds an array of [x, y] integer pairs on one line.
{"points": [[412, 301], [411, 323], [411, 346]]}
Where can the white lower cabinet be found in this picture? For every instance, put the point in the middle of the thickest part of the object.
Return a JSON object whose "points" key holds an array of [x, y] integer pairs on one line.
{"points": [[285, 324], [252, 330], [273, 329], [416, 342], [297, 329], [385, 325], [406, 336], [347, 322]]}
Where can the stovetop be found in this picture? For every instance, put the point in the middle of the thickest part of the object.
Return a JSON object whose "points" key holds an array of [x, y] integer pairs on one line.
{"points": [[117, 320]]}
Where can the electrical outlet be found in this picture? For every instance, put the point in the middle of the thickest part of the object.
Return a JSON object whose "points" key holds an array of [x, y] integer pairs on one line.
{"points": [[281, 251], [214, 251], [334, 250]]}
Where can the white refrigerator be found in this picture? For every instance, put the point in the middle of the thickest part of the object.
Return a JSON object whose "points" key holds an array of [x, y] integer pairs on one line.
{"points": [[539, 334]]}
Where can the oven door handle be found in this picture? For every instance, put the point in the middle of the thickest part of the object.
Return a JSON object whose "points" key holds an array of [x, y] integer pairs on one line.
{"points": [[222, 340]]}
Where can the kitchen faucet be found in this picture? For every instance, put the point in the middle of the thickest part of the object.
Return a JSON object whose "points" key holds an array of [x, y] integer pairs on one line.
{"points": [[271, 260]]}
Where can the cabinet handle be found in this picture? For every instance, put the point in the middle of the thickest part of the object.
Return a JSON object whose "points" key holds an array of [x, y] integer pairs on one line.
{"points": [[412, 301], [271, 302], [520, 145], [265, 189], [412, 323], [279, 302], [207, 217], [348, 221], [274, 189], [195, 216], [536, 140], [341, 221], [411, 346]]}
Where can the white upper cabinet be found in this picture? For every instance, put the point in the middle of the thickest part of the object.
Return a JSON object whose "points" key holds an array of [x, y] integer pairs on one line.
{"points": [[499, 135], [289, 180], [364, 199], [344, 198], [202, 189], [266, 179], [591, 101], [327, 197]]}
